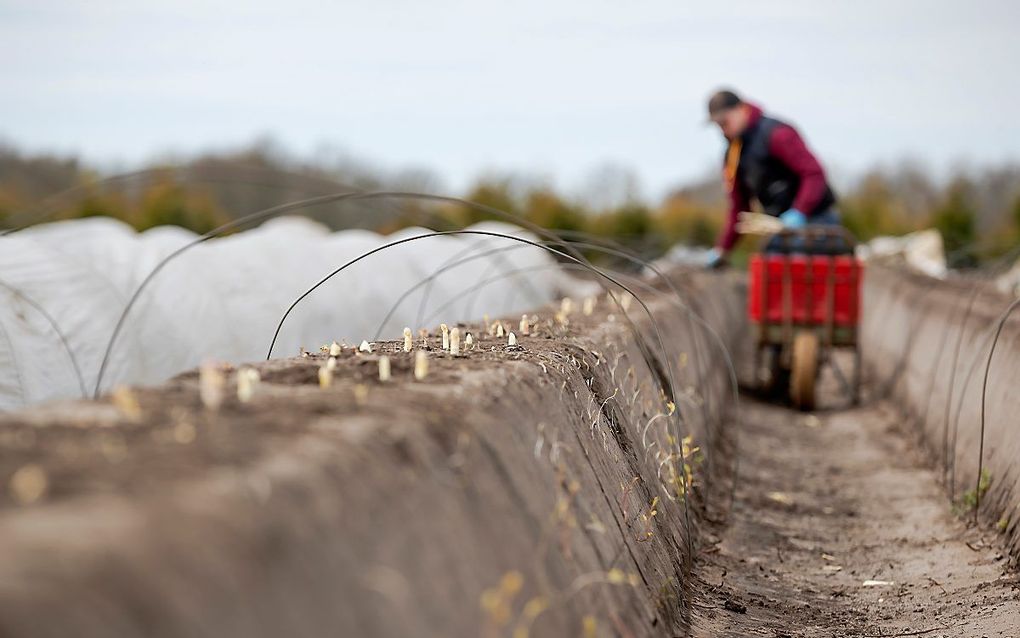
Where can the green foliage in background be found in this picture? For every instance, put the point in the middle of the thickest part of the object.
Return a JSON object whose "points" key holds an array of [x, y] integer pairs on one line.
{"points": [[547, 209], [166, 203], [494, 194], [954, 218], [873, 209], [977, 212]]}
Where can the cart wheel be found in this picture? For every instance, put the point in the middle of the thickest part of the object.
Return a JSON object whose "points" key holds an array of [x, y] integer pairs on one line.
{"points": [[805, 370]]}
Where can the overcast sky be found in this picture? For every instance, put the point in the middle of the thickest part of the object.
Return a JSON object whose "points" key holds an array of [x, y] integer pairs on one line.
{"points": [[554, 88]]}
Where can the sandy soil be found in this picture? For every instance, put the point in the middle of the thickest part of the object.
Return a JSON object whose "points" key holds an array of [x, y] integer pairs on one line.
{"points": [[829, 502]]}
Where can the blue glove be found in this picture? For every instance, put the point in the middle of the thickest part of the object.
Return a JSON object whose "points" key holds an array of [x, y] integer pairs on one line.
{"points": [[715, 259], [793, 218]]}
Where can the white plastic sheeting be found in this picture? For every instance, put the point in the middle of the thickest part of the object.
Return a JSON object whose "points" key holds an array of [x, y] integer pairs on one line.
{"points": [[921, 250], [1009, 281], [222, 299]]}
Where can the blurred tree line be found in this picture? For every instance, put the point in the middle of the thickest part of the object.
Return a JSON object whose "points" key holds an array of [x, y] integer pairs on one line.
{"points": [[977, 211]]}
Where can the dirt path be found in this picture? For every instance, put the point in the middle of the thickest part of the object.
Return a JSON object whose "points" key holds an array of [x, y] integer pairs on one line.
{"points": [[829, 502]]}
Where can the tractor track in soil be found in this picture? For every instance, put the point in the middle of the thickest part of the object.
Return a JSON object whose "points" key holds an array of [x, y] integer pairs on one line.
{"points": [[833, 499]]}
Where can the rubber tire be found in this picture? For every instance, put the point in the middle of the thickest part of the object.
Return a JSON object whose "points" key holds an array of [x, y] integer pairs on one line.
{"points": [[804, 370]]}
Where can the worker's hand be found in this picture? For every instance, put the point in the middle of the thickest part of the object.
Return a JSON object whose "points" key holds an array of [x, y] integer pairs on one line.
{"points": [[715, 259], [793, 218]]}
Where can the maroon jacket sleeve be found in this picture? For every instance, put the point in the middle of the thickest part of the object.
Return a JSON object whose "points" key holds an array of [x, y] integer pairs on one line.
{"points": [[739, 202], [787, 146]]}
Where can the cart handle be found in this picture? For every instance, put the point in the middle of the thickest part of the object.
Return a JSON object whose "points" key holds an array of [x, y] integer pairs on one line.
{"points": [[819, 231]]}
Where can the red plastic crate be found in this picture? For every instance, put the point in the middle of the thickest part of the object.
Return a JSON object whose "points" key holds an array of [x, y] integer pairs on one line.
{"points": [[809, 277]]}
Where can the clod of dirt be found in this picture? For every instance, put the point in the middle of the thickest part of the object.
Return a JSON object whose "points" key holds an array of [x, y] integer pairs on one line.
{"points": [[734, 606]]}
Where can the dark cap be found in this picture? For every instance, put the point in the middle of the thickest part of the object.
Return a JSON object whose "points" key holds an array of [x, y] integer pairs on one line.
{"points": [[722, 101]]}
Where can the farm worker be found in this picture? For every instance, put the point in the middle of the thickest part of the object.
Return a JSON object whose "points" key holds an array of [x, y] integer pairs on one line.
{"points": [[766, 160]]}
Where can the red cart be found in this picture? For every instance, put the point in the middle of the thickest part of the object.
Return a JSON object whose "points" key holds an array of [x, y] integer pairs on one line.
{"points": [[804, 301]]}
